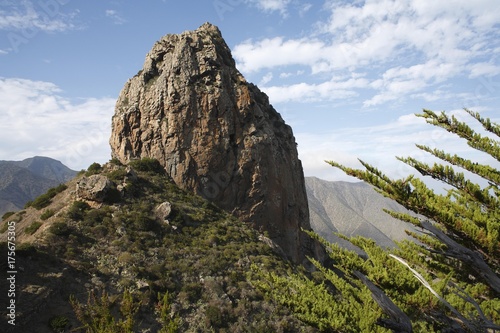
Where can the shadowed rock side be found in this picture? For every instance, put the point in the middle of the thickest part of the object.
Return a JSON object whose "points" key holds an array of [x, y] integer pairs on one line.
{"points": [[215, 134]]}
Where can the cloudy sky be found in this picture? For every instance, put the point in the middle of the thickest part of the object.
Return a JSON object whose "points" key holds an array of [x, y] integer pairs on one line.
{"points": [[348, 76]]}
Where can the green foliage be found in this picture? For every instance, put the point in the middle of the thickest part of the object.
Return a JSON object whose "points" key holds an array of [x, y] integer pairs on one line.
{"points": [[77, 210], [439, 283], [33, 227], [148, 165], [97, 315], [163, 310], [447, 271], [45, 199], [4, 227], [115, 161], [117, 175], [60, 229], [196, 261], [59, 324], [215, 317], [7, 215], [94, 169], [47, 214]]}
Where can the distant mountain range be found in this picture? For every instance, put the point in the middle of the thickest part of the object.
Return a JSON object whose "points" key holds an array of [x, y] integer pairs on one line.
{"points": [[353, 209], [22, 181]]}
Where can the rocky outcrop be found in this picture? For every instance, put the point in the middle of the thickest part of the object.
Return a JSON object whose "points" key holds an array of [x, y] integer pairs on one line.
{"points": [[163, 211], [215, 134], [95, 188]]}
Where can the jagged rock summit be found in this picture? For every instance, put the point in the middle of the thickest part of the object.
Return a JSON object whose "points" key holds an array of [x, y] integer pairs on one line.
{"points": [[215, 134]]}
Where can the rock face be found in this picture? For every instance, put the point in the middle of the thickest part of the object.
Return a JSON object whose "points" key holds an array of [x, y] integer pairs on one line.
{"points": [[215, 134], [94, 188]]}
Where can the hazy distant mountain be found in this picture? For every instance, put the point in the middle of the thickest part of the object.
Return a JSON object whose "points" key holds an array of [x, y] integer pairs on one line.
{"points": [[353, 209], [22, 181]]}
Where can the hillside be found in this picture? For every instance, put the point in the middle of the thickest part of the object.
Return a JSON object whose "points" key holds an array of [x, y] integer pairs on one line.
{"points": [[353, 209], [119, 229], [23, 181]]}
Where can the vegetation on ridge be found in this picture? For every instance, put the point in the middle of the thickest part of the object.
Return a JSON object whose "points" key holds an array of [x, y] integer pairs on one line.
{"points": [[192, 270]]}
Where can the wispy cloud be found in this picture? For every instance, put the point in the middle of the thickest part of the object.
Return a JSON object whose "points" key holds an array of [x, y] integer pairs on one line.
{"points": [[30, 16], [115, 16], [35, 119], [309, 92], [280, 6]]}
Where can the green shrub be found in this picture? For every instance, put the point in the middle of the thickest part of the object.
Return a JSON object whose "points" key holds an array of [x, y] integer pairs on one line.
{"points": [[77, 210], [115, 161], [33, 227], [93, 169], [7, 215], [148, 165], [59, 323], [41, 202], [46, 214], [215, 316], [117, 176], [60, 229], [25, 249], [4, 227], [95, 217], [45, 199]]}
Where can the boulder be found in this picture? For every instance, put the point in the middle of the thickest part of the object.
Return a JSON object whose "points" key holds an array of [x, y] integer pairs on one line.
{"points": [[94, 188]]}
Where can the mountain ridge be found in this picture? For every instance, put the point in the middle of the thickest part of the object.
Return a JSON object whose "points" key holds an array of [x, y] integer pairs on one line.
{"points": [[23, 181], [353, 209]]}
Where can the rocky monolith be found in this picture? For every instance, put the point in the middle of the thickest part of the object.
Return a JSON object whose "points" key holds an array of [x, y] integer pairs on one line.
{"points": [[215, 134]]}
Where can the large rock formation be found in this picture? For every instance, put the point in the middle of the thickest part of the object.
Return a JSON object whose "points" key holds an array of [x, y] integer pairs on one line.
{"points": [[215, 134]]}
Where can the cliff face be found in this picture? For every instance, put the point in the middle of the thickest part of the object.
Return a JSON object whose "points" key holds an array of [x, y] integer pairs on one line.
{"points": [[215, 134]]}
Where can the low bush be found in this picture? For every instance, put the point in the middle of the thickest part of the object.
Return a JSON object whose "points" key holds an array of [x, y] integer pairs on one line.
{"points": [[7, 215], [60, 229], [59, 323], [77, 210], [93, 169], [33, 227], [46, 214], [148, 165], [45, 199]]}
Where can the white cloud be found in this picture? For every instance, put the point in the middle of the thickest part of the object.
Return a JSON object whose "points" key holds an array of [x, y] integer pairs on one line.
{"points": [[272, 5], [305, 8], [404, 81], [304, 92], [409, 46], [483, 69], [379, 146], [266, 79], [115, 16], [273, 52], [35, 119], [35, 18]]}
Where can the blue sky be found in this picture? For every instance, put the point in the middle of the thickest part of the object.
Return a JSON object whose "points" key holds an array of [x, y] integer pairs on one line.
{"points": [[346, 75]]}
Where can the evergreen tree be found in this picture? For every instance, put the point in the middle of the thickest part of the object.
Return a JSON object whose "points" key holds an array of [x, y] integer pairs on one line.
{"points": [[447, 281]]}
